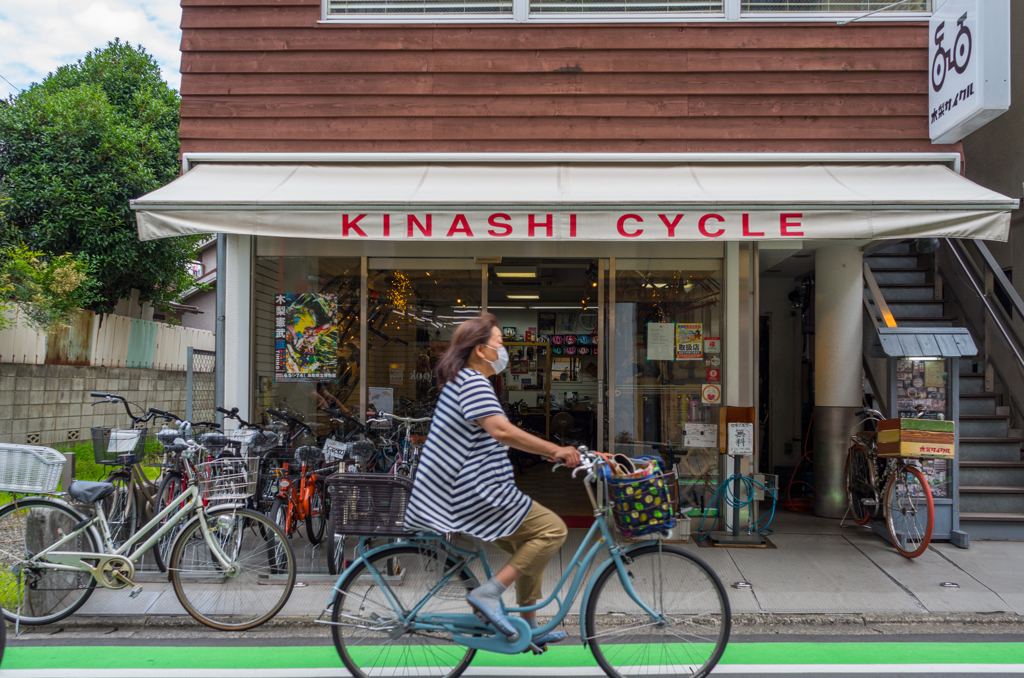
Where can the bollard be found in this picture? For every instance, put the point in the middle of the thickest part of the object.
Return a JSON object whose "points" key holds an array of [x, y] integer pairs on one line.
{"points": [[67, 474]]}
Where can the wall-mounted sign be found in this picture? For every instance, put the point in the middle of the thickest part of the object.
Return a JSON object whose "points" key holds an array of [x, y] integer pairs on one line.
{"points": [[689, 341], [969, 53], [714, 374], [741, 439], [700, 435], [711, 394], [712, 344]]}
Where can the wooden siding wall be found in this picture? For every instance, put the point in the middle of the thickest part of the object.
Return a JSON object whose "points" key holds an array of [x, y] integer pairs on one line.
{"points": [[263, 75]]}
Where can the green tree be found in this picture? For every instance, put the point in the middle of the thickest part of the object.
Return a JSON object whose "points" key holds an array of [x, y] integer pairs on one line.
{"points": [[74, 150]]}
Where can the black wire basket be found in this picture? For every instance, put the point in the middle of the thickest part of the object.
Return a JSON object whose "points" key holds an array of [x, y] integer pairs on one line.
{"points": [[114, 446], [369, 504]]}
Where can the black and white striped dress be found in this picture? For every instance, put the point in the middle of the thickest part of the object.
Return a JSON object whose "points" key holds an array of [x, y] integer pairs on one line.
{"points": [[464, 480]]}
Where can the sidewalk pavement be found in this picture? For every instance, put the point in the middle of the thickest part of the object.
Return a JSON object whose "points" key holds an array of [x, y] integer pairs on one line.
{"points": [[816, 568]]}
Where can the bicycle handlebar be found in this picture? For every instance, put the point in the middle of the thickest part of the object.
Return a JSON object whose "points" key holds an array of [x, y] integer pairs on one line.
{"points": [[282, 415], [408, 420]]}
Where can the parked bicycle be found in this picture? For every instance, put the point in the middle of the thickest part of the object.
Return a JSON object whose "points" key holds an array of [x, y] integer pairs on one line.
{"points": [[893, 488], [649, 608], [410, 440], [302, 494], [57, 551]]}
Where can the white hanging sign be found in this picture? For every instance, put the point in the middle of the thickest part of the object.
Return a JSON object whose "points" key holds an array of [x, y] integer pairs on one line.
{"points": [[741, 439], [969, 54]]}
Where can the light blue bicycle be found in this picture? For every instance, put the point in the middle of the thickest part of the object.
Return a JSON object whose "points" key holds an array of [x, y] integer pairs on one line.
{"points": [[399, 610]]}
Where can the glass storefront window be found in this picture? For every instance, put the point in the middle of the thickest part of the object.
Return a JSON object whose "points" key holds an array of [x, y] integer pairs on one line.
{"points": [[307, 335], [411, 315]]}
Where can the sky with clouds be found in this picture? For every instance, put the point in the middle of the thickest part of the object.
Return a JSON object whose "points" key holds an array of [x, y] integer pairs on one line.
{"points": [[37, 36]]}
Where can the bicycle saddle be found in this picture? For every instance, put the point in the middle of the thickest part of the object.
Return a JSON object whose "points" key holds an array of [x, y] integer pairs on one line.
{"points": [[86, 492]]}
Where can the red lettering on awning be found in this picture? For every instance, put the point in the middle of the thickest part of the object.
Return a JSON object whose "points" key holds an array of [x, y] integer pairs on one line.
{"points": [[346, 225], [425, 230], [464, 228], [622, 222], [671, 225], [785, 224], [493, 221], [746, 228], [548, 225], [702, 225]]}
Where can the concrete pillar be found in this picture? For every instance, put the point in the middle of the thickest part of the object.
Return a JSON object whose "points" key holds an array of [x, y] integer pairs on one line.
{"points": [[838, 382]]}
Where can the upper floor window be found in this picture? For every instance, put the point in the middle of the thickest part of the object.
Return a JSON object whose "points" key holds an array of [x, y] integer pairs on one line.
{"points": [[441, 11]]}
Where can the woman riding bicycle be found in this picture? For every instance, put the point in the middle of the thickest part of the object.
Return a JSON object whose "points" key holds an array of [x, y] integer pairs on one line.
{"points": [[464, 481]]}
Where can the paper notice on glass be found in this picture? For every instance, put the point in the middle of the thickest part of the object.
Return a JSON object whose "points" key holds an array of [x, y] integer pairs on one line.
{"points": [[661, 341], [700, 435], [741, 439], [383, 399]]}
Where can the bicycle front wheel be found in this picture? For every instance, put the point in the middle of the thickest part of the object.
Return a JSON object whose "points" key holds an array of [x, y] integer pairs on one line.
{"points": [[316, 518], [694, 621], [39, 595], [909, 511], [363, 619], [248, 593]]}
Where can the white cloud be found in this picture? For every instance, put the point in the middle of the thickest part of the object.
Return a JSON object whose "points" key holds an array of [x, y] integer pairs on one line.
{"points": [[38, 36]]}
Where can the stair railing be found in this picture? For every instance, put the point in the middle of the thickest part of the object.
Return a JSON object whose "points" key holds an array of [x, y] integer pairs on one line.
{"points": [[977, 276], [872, 292]]}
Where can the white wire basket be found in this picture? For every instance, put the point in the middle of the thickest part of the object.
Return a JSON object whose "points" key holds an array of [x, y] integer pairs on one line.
{"points": [[228, 478], [29, 469], [241, 440]]}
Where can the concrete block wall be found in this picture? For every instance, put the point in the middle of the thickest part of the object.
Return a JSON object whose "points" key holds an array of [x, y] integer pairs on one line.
{"points": [[50, 404]]}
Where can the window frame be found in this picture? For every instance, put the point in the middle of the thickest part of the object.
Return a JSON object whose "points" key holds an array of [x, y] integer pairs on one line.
{"points": [[521, 14]]}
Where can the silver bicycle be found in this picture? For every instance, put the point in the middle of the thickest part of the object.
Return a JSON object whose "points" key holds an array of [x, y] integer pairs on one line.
{"points": [[231, 567]]}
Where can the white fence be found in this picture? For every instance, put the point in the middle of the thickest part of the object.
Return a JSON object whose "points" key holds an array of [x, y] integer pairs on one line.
{"points": [[103, 341]]}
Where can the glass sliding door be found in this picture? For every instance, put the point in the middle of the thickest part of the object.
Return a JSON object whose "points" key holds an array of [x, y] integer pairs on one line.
{"points": [[666, 371]]}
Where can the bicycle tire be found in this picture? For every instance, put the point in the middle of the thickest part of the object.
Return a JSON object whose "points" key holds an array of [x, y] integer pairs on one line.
{"points": [[171, 485], [278, 516], [318, 513], [84, 581], [419, 560], [857, 480], [334, 550], [119, 508], [197, 583], [686, 574], [899, 489]]}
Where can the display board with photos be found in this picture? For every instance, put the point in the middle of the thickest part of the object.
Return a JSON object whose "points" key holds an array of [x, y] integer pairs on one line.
{"points": [[924, 383]]}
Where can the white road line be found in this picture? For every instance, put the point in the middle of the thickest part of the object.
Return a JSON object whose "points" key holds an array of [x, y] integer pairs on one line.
{"points": [[565, 672]]}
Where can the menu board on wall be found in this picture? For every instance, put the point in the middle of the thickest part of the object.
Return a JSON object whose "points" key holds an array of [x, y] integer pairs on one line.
{"points": [[305, 337], [689, 341]]}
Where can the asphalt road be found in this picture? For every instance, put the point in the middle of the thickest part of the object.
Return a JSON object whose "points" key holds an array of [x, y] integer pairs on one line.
{"points": [[188, 652]]}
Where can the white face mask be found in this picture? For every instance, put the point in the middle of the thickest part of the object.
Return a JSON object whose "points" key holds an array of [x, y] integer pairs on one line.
{"points": [[501, 363]]}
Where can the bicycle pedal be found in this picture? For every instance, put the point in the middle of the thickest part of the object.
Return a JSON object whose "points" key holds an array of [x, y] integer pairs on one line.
{"points": [[538, 649], [136, 590], [483, 620]]}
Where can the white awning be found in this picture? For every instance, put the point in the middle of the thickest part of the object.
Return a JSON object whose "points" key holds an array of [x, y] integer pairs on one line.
{"points": [[607, 201]]}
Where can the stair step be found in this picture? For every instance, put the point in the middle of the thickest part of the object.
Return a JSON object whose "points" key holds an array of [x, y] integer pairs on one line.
{"points": [[997, 396], [889, 261], [997, 517], [937, 321], [994, 441], [984, 426], [992, 464], [983, 417], [908, 292], [994, 489]]}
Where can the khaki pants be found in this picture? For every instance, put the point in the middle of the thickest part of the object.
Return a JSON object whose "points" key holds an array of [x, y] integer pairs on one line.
{"points": [[532, 546]]}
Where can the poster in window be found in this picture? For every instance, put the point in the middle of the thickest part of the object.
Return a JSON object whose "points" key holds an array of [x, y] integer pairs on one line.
{"points": [[305, 337], [545, 323], [689, 341]]}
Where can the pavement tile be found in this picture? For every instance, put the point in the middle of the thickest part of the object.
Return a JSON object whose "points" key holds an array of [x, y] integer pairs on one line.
{"points": [[999, 565], [819, 574]]}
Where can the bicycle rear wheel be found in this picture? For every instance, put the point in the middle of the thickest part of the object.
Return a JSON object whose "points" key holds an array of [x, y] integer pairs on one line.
{"points": [[362, 618], [695, 617], [36, 596], [171, 486], [316, 518], [859, 484], [909, 511], [119, 508], [233, 600]]}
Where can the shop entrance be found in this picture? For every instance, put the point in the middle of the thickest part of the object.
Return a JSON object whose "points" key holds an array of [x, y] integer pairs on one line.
{"points": [[619, 354]]}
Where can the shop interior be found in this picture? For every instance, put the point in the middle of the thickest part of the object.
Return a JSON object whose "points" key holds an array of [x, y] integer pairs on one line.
{"points": [[561, 319]]}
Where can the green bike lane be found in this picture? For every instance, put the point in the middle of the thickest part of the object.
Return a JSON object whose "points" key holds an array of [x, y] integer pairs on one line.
{"points": [[182, 660]]}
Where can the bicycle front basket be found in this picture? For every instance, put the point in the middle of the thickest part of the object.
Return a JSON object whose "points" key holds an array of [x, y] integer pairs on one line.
{"points": [[29, 469], [644, 505], [369, 504], [110, 444], [228, 478]]}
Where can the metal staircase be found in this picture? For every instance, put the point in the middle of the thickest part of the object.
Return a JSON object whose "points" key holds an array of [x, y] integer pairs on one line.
{"points": [[942, 290]]}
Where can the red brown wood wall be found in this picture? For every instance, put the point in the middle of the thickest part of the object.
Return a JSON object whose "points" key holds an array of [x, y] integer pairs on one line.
{"points": [[263, 75]]}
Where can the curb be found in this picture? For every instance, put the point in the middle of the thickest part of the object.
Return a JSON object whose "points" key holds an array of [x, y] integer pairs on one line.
{"points": [[746, 621]]}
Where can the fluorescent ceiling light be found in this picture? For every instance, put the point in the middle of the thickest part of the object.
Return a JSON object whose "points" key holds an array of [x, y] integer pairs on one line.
{"points": [[502, 306], [515, 271], [523, 296], [921, 358], [556, 308]]}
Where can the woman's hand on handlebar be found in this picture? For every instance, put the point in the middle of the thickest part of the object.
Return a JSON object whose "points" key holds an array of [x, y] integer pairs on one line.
{"points": [[567, 456]]}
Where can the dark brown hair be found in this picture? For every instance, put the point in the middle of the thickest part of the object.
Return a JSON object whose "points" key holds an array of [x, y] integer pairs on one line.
{"points": [[468, 336]]}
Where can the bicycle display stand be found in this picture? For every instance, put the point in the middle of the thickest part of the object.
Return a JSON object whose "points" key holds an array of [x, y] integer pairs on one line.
{"points": [[735, 537]]}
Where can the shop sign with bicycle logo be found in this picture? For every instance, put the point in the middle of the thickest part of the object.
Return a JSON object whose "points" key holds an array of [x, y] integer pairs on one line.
{"points": [[969, 78]]}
